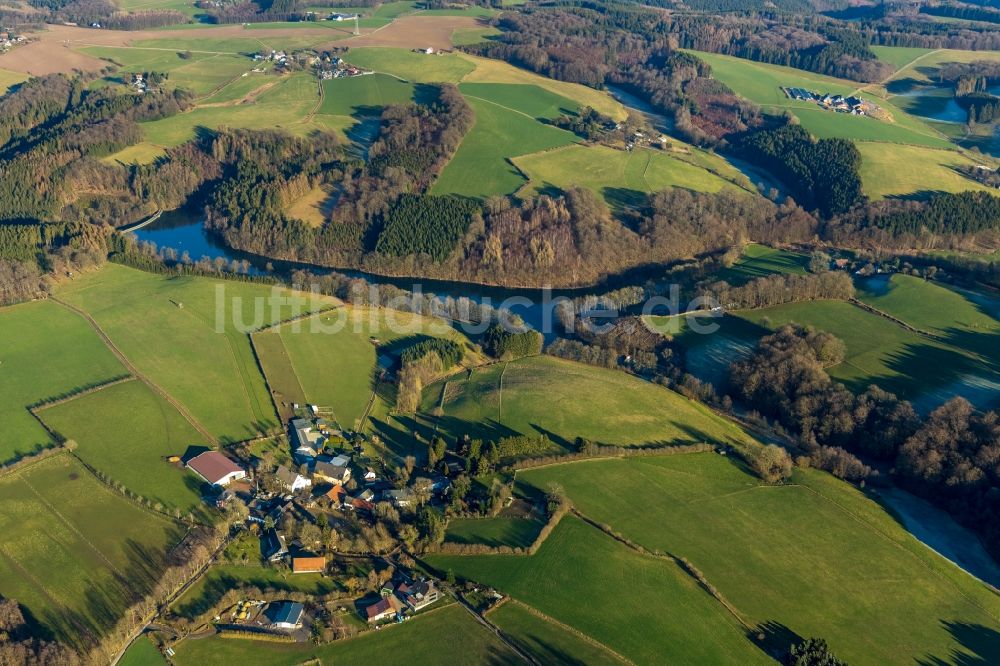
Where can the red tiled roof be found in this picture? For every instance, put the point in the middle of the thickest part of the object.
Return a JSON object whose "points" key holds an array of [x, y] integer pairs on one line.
{"points": [[213, 466], [308, 564]]}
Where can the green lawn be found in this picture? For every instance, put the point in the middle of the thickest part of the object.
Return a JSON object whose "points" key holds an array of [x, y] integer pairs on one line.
{"points": [[470, 36], [481, 166], [411, 66], [45, 352], [621, 177], [201, 72], [364, 95], [336, 363], [514, 532], [286, 105], [529, 99], [878, 350], [127, 431], [761, 83], [548, 642], [74, 553], [759, 261], [644, 608], [142, 653], [185, 7], [187, 335], [543, 394], [893, 171], [815, 557], [899, 56], [445, 636]]}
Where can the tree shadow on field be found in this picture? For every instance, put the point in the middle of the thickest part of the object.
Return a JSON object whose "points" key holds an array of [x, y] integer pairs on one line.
{"points": [[621, 198], [774, 638], [981, 646], [546, 653]]}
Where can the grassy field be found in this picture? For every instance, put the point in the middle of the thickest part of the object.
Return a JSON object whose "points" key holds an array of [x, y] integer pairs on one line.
{"points": [[759, 261], [185, 7], [472, 36], [45, 351], [142, 653], [543, 394], [815, 557], [363, 94], [907, 171], [925, 69], [186, 334], [528, 99], [644, 608], [202, 71], [74, 553], [481, 166], [966, 321], [878, 350], [708, 356], [620, 177], [761, 83], [287, 105], [445, 636], [411, 66], [338, 368], [899, 56], [126, 431], [514, 532], [10, 79], [547, 641]]}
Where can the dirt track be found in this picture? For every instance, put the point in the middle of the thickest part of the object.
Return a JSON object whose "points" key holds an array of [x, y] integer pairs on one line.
{"points": [[53, 50]]}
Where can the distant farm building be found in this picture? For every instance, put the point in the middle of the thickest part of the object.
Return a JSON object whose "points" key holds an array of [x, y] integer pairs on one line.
{"points": [[216, 468], [284, 615]]}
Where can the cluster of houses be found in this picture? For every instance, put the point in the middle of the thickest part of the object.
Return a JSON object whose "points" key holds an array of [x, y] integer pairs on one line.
{"points": [[399, 596], [853, 105], [279, 616], [335, 68], [9, 40]]}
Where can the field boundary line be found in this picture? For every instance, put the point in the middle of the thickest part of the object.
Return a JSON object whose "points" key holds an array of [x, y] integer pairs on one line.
{"points": [[562, 625], [135, 371], [267, 382], [684, 565], [72, 528], [48, 404], [896, 320]]}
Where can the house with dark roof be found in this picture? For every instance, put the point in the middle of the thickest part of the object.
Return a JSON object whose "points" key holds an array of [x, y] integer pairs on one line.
{"points": [[291, 480], [285, 615], [309, 441], [331, 473], [272, 545], [418, 594], [404, 497], [216, 468]]}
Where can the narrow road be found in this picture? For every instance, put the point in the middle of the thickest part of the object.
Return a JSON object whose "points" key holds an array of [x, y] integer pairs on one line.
{"points": [[188, 416]]}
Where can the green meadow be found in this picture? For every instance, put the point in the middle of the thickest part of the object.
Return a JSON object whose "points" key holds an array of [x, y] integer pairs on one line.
{"points": [[127, 431], [201, 71], [900, 56], [644, 608], [547, 641], [762, 83], [621, 177], [481, 167], [444, 636], [544, 394], [188, 335], [142, 652], [363, 94], [759, 261], [75, 554], [906, 171], [46, 351], [411, 66], [337, 365], [514, 532], [814, 557], [185, 7], [879, 351], [528, 99]]}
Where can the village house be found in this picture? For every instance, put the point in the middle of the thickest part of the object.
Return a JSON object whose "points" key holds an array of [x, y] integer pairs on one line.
{"points": [[337, 494], [216, 468], [384, 608], [400, 498], [308, 564], [272, 545], [331, 473], [309, 440], [291, 480], [285, 615], [418, 594]]}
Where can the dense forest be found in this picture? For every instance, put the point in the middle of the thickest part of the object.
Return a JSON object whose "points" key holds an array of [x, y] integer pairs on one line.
{"points": [[824, 173]]}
